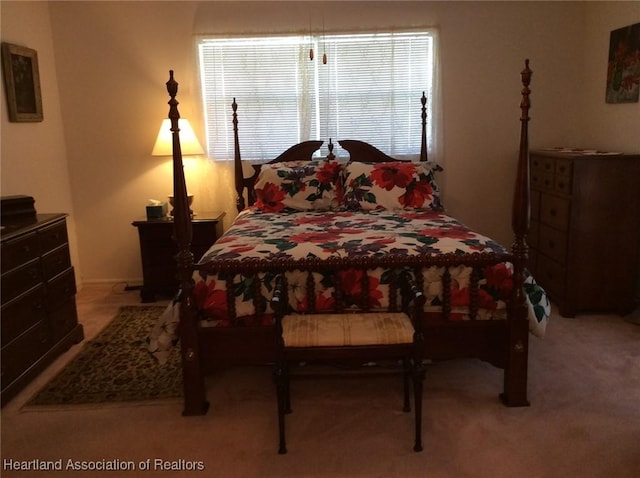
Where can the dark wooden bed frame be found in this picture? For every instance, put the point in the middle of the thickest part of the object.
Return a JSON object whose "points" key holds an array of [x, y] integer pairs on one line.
{"points": [[503, 343]]}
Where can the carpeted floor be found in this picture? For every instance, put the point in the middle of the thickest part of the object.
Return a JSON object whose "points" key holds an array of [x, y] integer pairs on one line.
{"points": [[584, 418], [116, 367]]}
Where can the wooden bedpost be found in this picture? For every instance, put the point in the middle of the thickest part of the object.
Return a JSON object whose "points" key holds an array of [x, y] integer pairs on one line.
{"points": [[237, 161], [423, 144], [195, 402], [515, 375]]}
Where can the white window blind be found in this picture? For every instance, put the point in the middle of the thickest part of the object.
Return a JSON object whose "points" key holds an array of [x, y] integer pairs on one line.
{"points": [[369, 89]]}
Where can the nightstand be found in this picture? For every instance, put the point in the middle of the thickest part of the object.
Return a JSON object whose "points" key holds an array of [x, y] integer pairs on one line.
{"points": [[158, 250]]}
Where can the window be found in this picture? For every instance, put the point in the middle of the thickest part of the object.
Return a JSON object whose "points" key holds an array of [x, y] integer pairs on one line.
{"points": [[369, 89]]}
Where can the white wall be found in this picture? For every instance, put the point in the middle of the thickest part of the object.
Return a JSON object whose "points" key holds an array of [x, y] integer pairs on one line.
{"points": [[112, 60], [33, 159]]}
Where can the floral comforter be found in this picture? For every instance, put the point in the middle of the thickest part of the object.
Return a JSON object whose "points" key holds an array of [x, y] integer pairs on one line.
{"points": [[257, 235]]}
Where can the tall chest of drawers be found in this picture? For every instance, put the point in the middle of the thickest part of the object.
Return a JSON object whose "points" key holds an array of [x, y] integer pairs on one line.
{"points": [[38, 317], [585, 229]]}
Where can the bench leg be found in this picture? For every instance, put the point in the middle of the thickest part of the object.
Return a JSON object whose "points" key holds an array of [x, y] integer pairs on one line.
{"points": [[418, 382], [282, 389], [406, 366]]}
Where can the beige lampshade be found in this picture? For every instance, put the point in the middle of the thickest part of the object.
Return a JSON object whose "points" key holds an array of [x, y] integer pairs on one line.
{"points": [[189, 144]]}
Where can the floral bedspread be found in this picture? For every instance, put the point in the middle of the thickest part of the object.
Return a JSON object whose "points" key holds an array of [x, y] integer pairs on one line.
{"points": [[348, 234]]}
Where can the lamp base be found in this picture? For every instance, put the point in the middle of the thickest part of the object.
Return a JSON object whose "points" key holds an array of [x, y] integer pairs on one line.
{"points": [[189, 202]]}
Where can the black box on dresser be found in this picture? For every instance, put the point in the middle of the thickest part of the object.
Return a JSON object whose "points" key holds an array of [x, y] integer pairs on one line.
{"points": [[38, 316], [585, 228]]}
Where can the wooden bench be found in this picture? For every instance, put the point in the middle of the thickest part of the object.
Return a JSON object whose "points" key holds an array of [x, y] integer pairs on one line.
{"points": [[348, 336]]}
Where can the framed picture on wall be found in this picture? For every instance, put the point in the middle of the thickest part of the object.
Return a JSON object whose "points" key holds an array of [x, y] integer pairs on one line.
{"points": [[22, 83], [623, 69]]}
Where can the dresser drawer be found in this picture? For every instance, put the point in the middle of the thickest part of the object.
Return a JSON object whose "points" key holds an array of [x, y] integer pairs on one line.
{"points": [[23, 352], [22, 313], [542, 181], [562, 185], [551, 275], [535, 205], [55, 262], [555, 211], [534, 233], [542, 164], [60, 289], [553, 243], [52, 237], [18, 251], [63, 320], [20, 280], [564, 168], [532, 262]]}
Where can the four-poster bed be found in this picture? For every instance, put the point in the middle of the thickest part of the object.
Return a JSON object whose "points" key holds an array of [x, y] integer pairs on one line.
{"points": [[340, 232]]}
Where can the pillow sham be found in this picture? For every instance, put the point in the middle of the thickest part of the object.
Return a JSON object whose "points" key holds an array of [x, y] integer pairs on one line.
{"points": [[299, 186], [391, 185]]}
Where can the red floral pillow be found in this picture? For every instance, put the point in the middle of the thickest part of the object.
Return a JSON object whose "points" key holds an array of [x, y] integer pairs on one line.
{"points": [[392, 185], [300, 186]]}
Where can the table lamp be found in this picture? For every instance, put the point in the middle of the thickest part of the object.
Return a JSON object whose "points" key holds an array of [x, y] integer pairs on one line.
{"points": [[189, 145]]}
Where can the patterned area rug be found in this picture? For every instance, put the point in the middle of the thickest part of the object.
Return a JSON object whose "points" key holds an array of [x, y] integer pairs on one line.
{"points": [[116, 367]]}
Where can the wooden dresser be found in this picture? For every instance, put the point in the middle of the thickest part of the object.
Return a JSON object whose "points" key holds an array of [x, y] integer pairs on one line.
{"points": [[585, 229], [38, 316]]}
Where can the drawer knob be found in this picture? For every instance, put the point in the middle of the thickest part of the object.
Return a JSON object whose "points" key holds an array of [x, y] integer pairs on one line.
{"points": [[553, 212], [552, 244]]}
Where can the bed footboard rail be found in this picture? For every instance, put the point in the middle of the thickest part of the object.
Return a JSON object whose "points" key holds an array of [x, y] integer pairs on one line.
{"points": [[351, 283]]}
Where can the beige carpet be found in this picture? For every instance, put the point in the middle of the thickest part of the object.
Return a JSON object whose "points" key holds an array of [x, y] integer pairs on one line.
{"points": [[584, 421]]}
